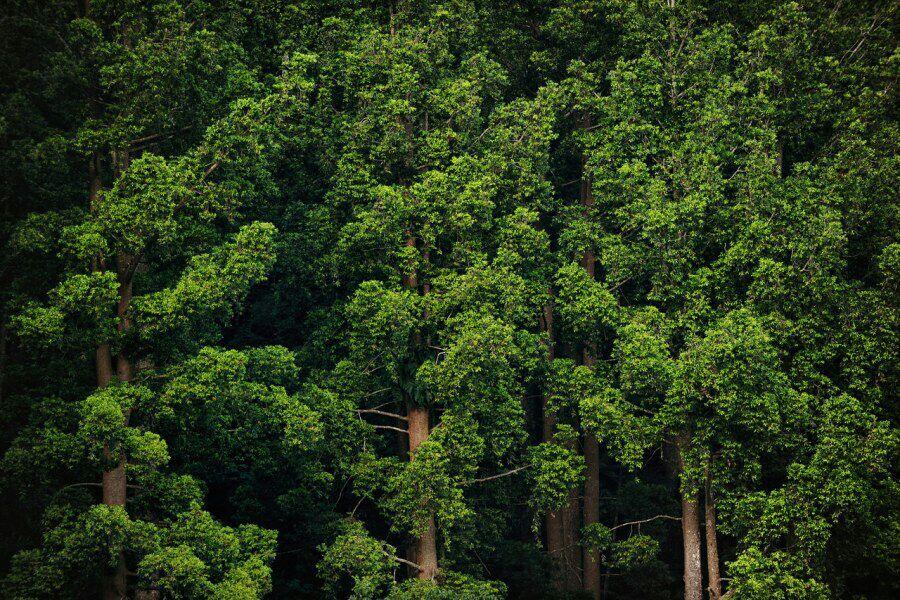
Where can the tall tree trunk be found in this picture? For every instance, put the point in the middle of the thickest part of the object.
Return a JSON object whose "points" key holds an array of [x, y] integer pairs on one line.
{"points": [[115, 482], [426, 544], [591, 556], [591, 505], [562, 523], [114, 485], [690, 528], [712, 544], [418, 423], [554, 520]]}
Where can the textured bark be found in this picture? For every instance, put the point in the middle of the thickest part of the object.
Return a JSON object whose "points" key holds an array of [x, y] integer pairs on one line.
{"points": [[425, 544], [409, 279], [690, 523], [712, 546], [103, 363], [690, 527]]}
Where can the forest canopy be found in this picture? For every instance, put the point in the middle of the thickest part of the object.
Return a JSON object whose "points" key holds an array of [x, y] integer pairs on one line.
{"points": [[449, 299]]}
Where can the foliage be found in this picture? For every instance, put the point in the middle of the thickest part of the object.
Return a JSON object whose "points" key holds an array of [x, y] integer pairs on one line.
{"points": [[288, 290]]}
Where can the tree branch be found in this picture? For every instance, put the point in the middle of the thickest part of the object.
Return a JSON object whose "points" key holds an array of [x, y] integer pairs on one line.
{"points": [[74, 485], [391, 427], [402, 560], [497, 476], [375, 411], [671, 518]]}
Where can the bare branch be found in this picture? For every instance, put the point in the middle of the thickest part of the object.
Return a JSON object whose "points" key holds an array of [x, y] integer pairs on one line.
{"points": [[497, 476], [74, 485], [375, 411], [402, 560], [391, 427], [671, 518]]}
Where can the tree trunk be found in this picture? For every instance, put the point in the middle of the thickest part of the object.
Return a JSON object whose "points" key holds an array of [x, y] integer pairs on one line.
{"points": [[114, 483], [114, 480], [712, 545], [591, 506], [562, 523], [554, 520], [591, 449], [591, 556], [690, 527], [425, 544], [418, 417]]}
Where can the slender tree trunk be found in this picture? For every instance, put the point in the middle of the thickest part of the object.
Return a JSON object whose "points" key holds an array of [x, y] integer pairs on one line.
{"points": [[418, 423], [591, 505], [591, 556], [554, 520], [548, 423], [690, 523], [571, 522], [712, 544], [114, 484], [115, 481], [690, 527], [426, 544]]}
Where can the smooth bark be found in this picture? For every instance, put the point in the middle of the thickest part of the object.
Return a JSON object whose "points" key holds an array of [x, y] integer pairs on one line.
{"points": [[418, 427], [591, 556], [712, 546], [690, 527], [426, 543]]}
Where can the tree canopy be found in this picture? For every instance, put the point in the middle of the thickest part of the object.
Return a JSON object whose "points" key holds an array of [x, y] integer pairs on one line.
{"points": [[449, 299]]}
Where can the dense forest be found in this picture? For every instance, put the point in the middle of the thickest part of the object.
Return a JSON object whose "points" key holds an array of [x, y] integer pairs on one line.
{"points": [[449, 299]]}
